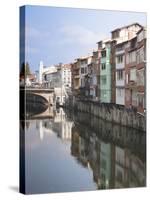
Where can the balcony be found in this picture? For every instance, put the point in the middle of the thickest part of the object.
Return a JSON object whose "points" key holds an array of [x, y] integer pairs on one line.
{"points": [[120, 51], [120, 65], [120, 83], [77, 76]]}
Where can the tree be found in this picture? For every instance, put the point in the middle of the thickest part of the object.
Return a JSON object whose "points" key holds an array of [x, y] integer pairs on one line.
{"points": [[25, 69]]}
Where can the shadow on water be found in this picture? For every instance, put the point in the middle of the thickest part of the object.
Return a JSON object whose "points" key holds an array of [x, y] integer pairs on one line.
{"points": [[34, 109]]}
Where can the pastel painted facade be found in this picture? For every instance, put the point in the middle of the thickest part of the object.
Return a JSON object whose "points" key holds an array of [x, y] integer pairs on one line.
{"points": [[95, 82], [105, 73], [105, 166]]}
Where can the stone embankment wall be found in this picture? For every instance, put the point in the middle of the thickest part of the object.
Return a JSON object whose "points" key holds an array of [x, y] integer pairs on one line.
{"points": [[111, 112]]}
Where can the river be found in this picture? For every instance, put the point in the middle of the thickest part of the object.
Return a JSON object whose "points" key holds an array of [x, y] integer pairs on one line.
{"points": [[77, 152]]}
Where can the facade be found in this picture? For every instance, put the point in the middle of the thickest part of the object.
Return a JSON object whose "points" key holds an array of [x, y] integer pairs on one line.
{"points": [[130, 74], [121, 36], [120, 73], [79, 72], [88, 79], [105, 73], [114, 73], [135, 72], [76, 82], [59, 78], [95, 82], [83, 65], [66, 75], [141, 70], [53, 79], [125, 33]]}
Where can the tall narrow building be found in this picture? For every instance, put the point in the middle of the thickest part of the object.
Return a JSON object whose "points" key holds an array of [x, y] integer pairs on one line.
{"points": [[105, 72], [121, 36]]}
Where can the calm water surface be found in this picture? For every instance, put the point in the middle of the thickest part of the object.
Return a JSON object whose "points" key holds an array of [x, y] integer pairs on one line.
{"points": [[78, 152]]}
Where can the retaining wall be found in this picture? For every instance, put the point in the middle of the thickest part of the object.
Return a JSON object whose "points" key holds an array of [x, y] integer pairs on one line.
{"points": [[111, 112]]}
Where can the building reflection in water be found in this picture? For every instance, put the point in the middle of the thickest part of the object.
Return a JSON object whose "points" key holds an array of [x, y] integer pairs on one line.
{"points": [[108, 153], [115, 155], [59, 124], [62, 125]]}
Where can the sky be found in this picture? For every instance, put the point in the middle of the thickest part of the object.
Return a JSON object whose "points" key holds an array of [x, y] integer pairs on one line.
{"points": [[60, 35]]}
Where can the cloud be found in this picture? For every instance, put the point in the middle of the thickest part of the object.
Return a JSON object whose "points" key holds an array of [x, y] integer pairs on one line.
{"points": [[80, 35], [31, 32]]}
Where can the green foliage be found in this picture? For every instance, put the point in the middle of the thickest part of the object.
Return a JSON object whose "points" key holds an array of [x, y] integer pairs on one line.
{"points": [[25, 69]]}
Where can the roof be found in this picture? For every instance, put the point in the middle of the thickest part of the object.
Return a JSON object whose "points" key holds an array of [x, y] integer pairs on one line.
{"points": [[122, 42], [137, 24], [106, 40], [142, 29], [66, 66]]}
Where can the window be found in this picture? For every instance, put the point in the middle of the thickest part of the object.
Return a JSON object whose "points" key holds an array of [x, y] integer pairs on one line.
{"points": [[131, 57], [141, 36], [133, 74], [103, 164], [120, 74], [85, 70], [82, 70], [104, 94], [134, 98], [103, 80], [94, 80], [103, 53], [82, 82], [127, 78], [140, 77], [103, 66], [115, 34], [120, 59], [119, 176], [120, 92], [140, 55], [127, 58], [140, 99]]}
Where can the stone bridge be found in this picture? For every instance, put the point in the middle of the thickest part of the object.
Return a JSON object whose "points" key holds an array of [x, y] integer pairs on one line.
{"points": [[36, 102], [41, 93]]}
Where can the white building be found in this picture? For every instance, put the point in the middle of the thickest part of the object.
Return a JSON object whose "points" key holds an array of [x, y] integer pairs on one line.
{"points": [[45, 70], [57, 77], [66, 75]]}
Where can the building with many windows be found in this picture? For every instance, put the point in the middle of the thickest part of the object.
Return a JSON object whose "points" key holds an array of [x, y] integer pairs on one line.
{"points": [[120, 73], [122, 36], [135, 72], [66, 75], [105, 72]]}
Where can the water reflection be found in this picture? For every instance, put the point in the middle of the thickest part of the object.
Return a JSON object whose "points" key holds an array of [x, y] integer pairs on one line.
{"points": [[73, 152]]}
